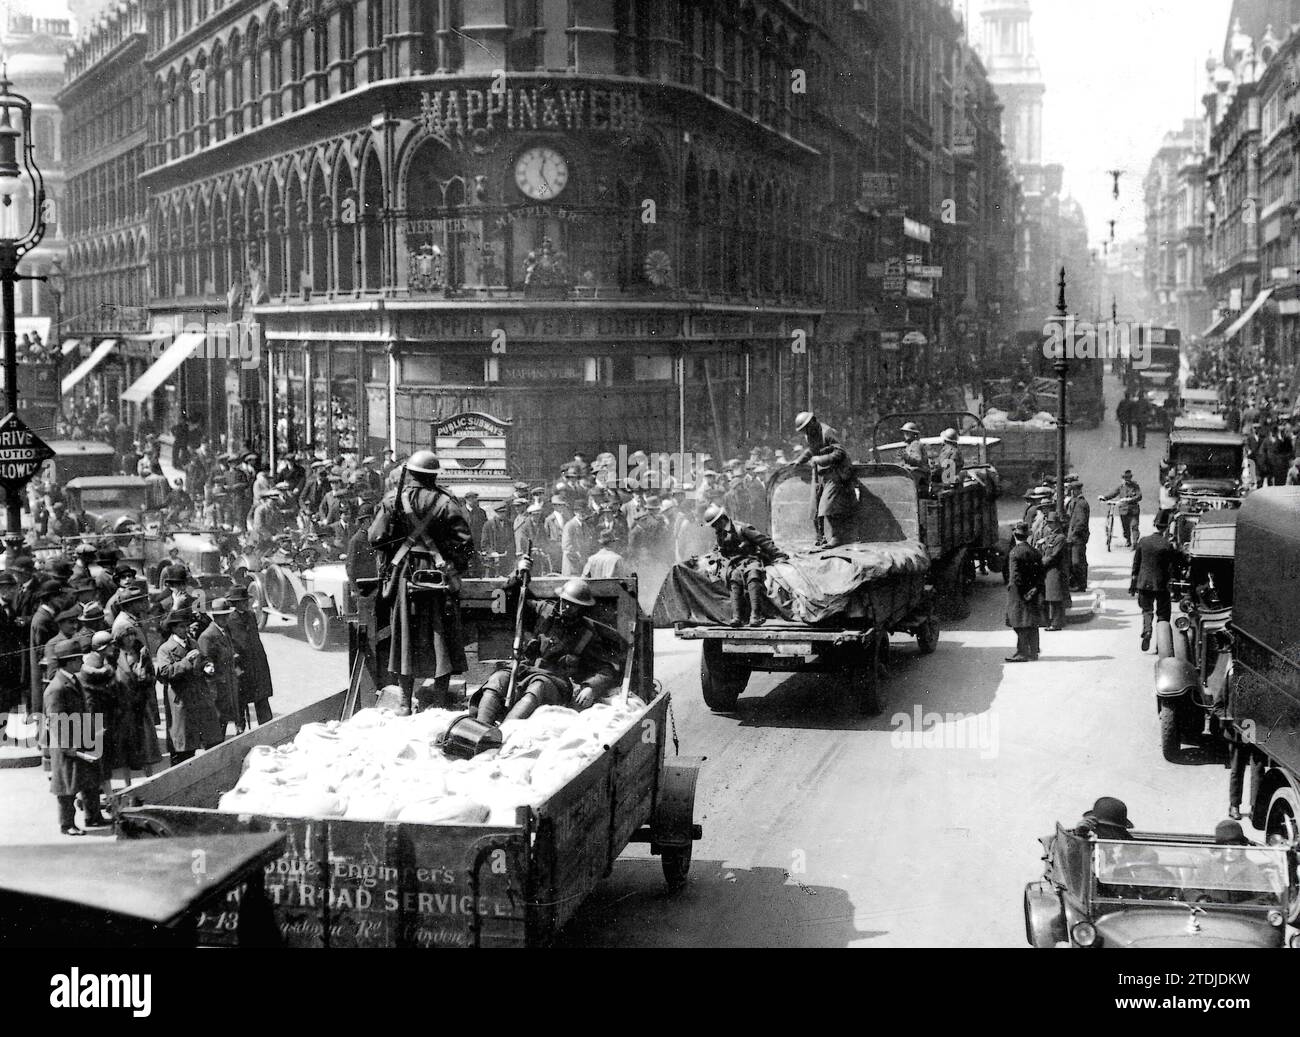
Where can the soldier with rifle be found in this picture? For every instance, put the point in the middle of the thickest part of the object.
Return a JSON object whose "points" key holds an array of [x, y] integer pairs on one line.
{"points": [[563, 657], [424, 543]]}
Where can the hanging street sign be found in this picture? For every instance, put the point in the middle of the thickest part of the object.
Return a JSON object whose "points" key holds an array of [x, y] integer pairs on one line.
{"points": [[22, 452]]}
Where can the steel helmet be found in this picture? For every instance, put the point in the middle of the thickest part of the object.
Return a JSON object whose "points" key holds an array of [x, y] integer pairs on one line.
{"points": [[804, 420], [714, 514], [911, 426], [949, 435], [423, 462], [576, 592]]}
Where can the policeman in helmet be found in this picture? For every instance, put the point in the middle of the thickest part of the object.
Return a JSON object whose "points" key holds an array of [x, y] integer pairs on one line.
{"points": [[423, 540], [746, 551], [570, 659]]}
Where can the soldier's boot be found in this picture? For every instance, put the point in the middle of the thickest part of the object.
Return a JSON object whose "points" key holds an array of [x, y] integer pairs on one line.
{"points": [[435, 694], [491, 706], [737, 605], [756, 601], [407, 684]]}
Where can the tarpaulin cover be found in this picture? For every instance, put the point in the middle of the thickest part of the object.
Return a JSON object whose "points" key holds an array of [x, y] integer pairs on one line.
{"points": [[841, 584]]}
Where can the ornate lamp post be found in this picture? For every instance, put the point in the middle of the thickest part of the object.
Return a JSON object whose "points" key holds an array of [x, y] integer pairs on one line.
{"points": [[20, 232], [56, 281], [1062, 368]]}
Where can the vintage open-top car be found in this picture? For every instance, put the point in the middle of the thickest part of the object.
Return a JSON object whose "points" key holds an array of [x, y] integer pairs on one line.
{"points": [[1159, 891], [303, 581]]}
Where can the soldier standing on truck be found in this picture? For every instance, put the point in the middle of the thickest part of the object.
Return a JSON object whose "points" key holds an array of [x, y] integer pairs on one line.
{"points": [[834, 497], [747, 553], [915, 458], [951, 462], [422, 536]]}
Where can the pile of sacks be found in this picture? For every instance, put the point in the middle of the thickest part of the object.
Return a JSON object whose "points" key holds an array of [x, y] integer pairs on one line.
{"points": [[1000, 419], [381, 767]]}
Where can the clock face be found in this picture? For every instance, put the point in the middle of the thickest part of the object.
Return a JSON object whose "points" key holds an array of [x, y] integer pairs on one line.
{"points": [[541, 173]]}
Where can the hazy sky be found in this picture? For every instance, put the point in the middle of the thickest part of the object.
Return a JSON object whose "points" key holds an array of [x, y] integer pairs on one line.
{"points": [[1119, 74]]}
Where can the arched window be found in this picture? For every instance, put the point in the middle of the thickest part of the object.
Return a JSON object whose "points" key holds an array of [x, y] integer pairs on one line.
{"points": [[318, 230], [345, 231], [347, 47], [372, 230], [435, 197], [219, 71], [256, 85], [237, 71], [321, 45], [375, 38], [297, 57], [275, 63]]}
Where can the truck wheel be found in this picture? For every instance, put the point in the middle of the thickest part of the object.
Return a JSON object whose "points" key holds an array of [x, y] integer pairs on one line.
{"points": [[677, 864], [927, 635], [315, 623], [1171, 738], [721, 682]]}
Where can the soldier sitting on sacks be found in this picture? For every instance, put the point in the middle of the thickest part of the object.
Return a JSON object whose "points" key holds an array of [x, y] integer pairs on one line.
{"points": [[569, 658], [747, 552]]}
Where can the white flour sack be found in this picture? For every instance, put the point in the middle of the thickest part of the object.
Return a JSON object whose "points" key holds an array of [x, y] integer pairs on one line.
{"points": [[378, 766]]}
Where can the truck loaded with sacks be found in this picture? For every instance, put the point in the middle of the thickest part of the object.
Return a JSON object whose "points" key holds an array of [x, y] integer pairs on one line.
{"points": [[399, 838]]}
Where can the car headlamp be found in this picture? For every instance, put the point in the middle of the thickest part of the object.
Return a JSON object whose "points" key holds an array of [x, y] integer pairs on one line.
{"points": [[1084, 934], [1275, 918]]}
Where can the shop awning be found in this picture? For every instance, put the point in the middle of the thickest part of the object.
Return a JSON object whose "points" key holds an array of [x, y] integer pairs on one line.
{"points": [[1217, 326], [70, 345], [173, 356], [89, 364], [1248, 314]]}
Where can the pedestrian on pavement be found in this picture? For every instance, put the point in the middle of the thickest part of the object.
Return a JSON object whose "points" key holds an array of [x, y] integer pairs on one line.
{"points": [[71, 752], [1128, 494], [193, 723], [1152, 562], [1024, 572], [254, 669], [606, 563], [1077, 532], [219, 650], [1056, 567], [1123, 414]]}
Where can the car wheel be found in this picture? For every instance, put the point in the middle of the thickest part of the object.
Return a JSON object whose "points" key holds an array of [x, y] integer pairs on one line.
{"points": [[1171, 736], [257, 603], [1282, 825], [315, 623]]}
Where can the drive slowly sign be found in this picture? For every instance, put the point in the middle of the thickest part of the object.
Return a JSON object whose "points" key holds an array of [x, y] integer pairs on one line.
{"points": [[22, 452]]}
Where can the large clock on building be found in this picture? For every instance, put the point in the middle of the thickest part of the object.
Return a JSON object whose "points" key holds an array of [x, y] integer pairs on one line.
{"points": [[541, 173]]}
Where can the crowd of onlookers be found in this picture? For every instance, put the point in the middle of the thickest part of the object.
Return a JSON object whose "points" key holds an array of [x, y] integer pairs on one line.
{"points": [[1262, 401], [88, 648]]}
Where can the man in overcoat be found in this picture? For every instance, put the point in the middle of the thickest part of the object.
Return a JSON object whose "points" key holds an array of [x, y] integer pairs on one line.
{"points": [[69, 736], [193, 723], [420, 528], [254, 669], [1024, 595]]}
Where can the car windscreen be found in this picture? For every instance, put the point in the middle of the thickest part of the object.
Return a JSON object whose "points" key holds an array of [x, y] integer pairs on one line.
{"points": [[1208, 461], [1190, 872], [103, 498]]}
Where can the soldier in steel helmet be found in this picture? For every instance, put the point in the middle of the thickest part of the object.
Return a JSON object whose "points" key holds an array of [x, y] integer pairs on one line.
{"points": [[746, 551], [834, 484], [570, 658], [420, 529]]}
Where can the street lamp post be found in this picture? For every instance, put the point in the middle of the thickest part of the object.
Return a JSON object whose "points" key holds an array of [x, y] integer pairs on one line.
{"points": [[18, 171], [1062, 368], [56, 281]]}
